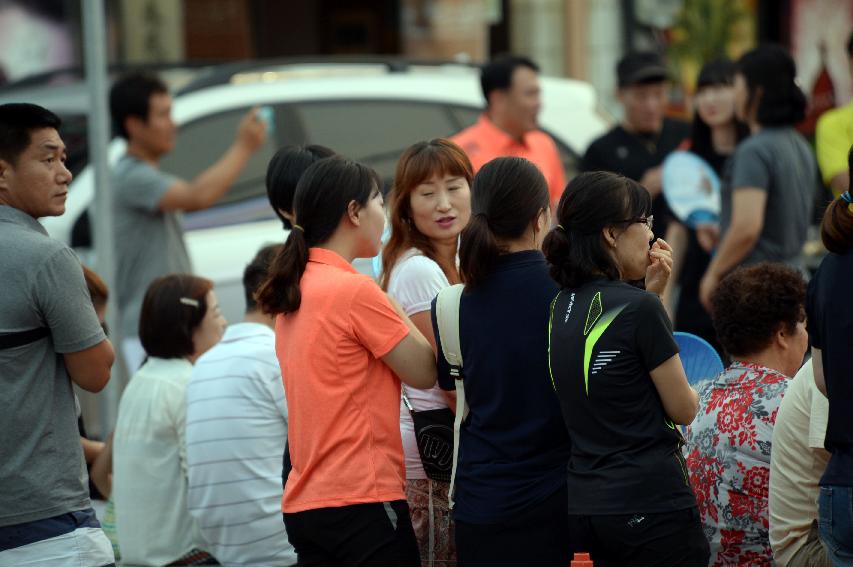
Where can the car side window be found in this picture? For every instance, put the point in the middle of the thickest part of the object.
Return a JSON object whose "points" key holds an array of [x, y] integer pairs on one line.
{"points": [[571, 160], [465, 115], [374, 132], [199, 145]]}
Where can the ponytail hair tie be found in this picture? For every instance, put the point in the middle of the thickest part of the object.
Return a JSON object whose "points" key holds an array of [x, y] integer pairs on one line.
{"points": [[299, 228], [847, 198], [560, 227], [484, 216]]}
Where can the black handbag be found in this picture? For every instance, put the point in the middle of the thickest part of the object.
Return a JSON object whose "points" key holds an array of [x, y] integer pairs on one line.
{"points": [[434, 436]]}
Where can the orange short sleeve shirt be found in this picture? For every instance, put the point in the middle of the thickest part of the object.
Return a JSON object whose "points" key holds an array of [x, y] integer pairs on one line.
{"points": [[484, 142], [343, 401]]}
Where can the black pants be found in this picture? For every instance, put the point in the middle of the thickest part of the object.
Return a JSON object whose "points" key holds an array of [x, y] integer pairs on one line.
{"points": [[671, 539], [537, 537], [361, 535]]}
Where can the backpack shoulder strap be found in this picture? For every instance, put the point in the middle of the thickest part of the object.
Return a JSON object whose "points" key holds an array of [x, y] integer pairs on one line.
{"points": [[447, 317]]}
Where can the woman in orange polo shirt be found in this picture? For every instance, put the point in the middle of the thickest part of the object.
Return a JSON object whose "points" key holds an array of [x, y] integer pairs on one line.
{"points": [[343, 347]]}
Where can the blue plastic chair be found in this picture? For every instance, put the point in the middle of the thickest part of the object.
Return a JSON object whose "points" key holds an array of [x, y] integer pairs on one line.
{"points": [[698, 357]]}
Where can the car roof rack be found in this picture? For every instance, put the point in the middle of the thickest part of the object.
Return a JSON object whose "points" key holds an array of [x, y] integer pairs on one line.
{"points": [[211, 73], [258, 68]]}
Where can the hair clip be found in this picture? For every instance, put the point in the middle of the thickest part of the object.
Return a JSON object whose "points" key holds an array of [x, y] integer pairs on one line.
{"points": [[189, 301], [299, 228], [560, 227]]}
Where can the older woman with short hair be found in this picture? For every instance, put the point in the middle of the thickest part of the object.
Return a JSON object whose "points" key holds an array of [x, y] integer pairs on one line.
{"points": [[759, 316], [180, 320]]}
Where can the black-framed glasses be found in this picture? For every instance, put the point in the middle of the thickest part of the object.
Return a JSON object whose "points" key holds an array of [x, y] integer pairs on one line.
{"points": [[649, 221]]}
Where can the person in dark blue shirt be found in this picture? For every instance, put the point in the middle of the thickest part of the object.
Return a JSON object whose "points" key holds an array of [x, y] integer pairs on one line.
{"points": [[829, 312], [511, 497]]}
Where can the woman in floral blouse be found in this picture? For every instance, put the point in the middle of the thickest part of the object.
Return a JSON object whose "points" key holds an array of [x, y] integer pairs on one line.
{"points": [[759, 318]]}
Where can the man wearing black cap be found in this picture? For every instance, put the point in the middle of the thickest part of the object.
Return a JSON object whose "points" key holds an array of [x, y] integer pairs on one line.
{"points": [[637, 146]]}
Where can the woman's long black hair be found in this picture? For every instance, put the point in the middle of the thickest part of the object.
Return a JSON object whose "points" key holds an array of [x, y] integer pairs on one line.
{"points": [[506, 196], [284, 171], [576, 249], [770, 69]]}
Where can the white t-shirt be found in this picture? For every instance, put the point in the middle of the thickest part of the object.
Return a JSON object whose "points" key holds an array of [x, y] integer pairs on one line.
{"points": [[236, 431], [414, 283], [797, 462], [153, 524]]}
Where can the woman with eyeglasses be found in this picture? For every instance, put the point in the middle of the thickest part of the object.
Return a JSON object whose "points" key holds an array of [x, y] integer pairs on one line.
{"points": [[618, 377]]}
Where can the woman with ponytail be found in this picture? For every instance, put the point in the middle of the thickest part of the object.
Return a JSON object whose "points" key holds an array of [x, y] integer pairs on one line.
{"points": [[283, 173], [511, 478], [768, 192], [829, 313], [343, 347], [618, 377]]}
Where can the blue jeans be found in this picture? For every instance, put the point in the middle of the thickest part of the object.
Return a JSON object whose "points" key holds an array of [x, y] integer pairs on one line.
{"points": [[835, 522]]}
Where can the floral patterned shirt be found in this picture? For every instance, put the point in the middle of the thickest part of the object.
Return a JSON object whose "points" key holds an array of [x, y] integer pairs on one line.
{"points": [[728, 457]]}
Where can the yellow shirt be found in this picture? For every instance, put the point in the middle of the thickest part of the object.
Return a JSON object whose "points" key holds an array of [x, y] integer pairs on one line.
{"points": [[833, 140]]}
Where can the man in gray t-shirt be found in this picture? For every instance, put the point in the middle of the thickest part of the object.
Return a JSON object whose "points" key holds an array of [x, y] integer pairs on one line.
{"points": [[769, 187], [148, 234], [49, 337], [770, 181], [149, 242], [780, 162]]}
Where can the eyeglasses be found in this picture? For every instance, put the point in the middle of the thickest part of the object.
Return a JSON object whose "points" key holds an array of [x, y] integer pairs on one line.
{"points": [[649, 221]]}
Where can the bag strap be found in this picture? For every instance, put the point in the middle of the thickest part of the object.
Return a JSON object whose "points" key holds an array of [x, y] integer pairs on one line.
{"points": [[21, 338], [406, 399], [447, 317]]}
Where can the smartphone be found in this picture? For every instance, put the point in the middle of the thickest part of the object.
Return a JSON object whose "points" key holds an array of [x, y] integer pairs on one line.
{"points": [[267, 115]]}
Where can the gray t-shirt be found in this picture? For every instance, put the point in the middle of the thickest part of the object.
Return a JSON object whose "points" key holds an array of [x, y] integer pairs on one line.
{"points": [[149, 242], [780, 162], [42, 471]]}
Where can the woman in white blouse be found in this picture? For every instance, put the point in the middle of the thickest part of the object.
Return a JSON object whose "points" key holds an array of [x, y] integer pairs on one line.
{"points": [[180, 320], [429, 206]]}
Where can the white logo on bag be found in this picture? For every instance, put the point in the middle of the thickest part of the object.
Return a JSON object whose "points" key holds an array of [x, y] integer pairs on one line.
{"points": [[435, 446]]}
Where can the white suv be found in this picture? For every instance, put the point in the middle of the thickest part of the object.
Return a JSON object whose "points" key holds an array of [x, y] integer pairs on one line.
{"points": [[368, 112]]}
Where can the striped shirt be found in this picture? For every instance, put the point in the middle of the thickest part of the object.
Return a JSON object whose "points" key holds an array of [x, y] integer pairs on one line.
{"points": [[236, 431]]}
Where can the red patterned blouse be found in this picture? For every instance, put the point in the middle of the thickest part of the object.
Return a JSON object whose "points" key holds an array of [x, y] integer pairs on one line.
{"points": [[728, 457]]}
